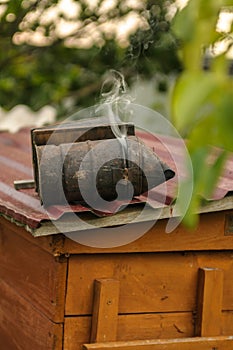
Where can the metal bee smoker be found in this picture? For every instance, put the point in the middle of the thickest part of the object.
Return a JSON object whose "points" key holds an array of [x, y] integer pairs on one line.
{"points": [[72, 154]]}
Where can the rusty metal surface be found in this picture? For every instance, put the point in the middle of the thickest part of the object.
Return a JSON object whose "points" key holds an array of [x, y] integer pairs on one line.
{"points": [[93, 129], [65, 159], [24, 206]]}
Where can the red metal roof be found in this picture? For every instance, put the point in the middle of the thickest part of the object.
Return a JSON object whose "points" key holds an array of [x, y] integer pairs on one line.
{"points": [[24, 205]]}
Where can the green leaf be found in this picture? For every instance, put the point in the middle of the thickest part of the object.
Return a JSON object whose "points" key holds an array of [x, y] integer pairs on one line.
{"points": [[184, 22], [190, 100], [225, 119], [205, 179], [212, 174]]}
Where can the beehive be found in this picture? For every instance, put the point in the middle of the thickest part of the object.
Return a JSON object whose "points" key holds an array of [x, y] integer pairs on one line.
{"points": [[161, 291]]}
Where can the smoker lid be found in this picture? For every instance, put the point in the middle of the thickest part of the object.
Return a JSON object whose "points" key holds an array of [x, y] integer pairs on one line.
{"points": [[24, 206]]}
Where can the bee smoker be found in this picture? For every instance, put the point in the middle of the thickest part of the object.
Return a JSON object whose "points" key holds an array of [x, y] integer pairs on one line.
{"points": [[69, 162]]}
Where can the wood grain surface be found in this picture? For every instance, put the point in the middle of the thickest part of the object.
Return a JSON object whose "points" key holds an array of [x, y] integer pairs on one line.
{"points": [[209, 235], [131, 327], [23, 327], [152, 282], [223, 343], [209, 302], [33, 273], [105, 310]]}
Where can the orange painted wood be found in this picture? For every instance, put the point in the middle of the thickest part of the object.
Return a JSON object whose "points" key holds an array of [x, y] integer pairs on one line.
{"points": [[198, 343], [209, 235], [209, 302], [23, 327], [52, 244], [148, 282], [105, 310], [77, 331], [155, 240], [157, 294], [227, 322], [154, 282], [131, 327], [33, 273], [140, 326], [223, 261]]}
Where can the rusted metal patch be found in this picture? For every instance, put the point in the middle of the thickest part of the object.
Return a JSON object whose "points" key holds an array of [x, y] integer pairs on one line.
{"points": [[229, 225]]}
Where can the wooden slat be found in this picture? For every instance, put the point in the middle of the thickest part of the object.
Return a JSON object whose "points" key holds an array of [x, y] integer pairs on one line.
{"points": [[105, 310], [209, 302], [52, 244], [210, 234], [223, 343], [148, 282], [155, 282], [155, 240], [23, 327], [33, 273], [155, 326], [141, 326], [227, 322], [131, 327]]}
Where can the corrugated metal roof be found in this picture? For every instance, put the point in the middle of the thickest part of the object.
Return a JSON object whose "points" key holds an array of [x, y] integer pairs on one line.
{"points": [[24, 206]]}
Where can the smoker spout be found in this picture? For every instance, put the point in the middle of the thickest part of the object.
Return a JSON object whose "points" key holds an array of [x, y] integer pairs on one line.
{"points": [[168, 173]]}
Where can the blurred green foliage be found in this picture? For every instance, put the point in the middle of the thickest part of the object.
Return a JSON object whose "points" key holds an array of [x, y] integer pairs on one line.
{"points": [[60, 70], [202, 100]]}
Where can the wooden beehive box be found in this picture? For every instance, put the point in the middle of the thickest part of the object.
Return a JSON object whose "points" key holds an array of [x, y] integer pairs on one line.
{"points": [[57, 294], [161, 292]]}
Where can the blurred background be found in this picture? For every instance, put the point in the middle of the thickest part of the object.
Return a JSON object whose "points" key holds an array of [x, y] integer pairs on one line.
{"points": [[58, 53]]}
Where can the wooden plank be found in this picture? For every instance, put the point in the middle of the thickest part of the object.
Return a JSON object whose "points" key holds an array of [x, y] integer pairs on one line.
{"points": [[34, 273], [51, 244], [140, 326], [155, 240], [227, 322], [159, 325], [23, 327], [155, 282], [105, 310], [124, 217], [202, 343], [131, 327], [209, 302], [213, 224], [223, 261], [77, 331], [148, 282], [210, 234]]}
